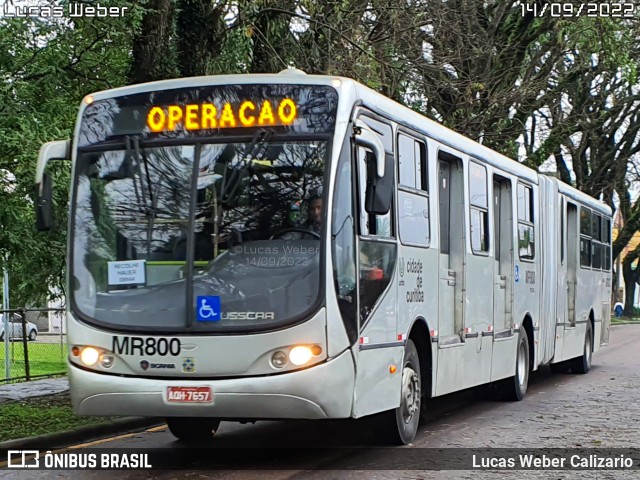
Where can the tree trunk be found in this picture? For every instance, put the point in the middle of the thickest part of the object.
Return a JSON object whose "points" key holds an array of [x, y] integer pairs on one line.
{"points": [[153, 56], [630, 280], [200, 30]]}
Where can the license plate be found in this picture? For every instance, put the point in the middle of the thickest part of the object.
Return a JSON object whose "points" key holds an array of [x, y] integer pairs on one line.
{"points": [[189, 395]]}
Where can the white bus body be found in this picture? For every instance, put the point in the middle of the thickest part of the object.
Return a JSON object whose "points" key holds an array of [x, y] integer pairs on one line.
{"points": [[488, 268]]}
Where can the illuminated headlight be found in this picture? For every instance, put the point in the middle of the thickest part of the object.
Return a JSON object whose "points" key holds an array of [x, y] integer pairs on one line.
{"points": [[106, 360], [300, 355], [89, 356], [279, 359]]}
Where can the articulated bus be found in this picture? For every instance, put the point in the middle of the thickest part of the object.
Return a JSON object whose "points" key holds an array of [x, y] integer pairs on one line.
{"points": [[290, 246]]}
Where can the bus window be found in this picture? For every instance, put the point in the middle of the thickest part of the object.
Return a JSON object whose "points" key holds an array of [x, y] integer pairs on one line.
{"points": [[343, 246], [478, 208], [585, 237], [413, 199], [377, 254], [606, 233], [526, 231]]}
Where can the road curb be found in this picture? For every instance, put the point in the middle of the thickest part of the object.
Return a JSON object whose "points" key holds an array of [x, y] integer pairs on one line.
{"points": [[83, 434]]}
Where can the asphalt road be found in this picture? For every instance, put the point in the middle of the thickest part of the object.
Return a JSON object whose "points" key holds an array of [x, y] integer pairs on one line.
{"points": [[597, 410]]}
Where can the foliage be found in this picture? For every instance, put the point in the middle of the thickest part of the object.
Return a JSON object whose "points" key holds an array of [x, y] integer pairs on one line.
{"points": [[555, 92], [49, 66]]}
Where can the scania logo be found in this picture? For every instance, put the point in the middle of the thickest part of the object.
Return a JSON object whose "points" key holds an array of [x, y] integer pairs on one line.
{"points": [[146, 365]]}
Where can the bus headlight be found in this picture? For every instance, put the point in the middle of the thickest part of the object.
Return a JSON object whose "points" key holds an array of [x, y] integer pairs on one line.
{"points": [[300, 355], [89, 356], [106, 360], [279, 359]]}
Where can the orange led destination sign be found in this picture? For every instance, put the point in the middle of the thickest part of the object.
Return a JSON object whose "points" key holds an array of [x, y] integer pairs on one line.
{"points": [[201, 116]]}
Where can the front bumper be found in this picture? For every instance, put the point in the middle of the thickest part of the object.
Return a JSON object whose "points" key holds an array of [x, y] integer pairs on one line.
{"points": [[321, 391]]}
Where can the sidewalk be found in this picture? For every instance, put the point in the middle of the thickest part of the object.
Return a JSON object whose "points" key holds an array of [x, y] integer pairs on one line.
{"points": [[36, 388]]}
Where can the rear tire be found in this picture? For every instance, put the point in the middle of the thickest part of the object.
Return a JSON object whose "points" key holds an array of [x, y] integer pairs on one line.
{"points": [[193, 428], [582, 364], [514, 388], [400, 425]]}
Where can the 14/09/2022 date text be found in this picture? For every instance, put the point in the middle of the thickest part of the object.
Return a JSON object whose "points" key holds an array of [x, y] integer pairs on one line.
{"points": [[570, 10]]}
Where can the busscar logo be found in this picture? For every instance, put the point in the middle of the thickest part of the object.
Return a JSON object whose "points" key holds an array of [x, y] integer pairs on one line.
{"points": [[23, 459], [144, 364]]}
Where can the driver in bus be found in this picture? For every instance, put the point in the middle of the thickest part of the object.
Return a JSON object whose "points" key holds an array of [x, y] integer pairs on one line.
{"points": [[314, 214]]}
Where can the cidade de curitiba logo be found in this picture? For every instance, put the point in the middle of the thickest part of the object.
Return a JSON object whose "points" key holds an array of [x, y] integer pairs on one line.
{"points": [[71, 10]]}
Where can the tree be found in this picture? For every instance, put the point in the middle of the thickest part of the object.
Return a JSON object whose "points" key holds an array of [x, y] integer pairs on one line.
{"points": [[48, 67]]}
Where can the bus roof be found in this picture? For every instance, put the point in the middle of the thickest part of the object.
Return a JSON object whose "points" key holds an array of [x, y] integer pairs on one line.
{"points": [[355, 91]]}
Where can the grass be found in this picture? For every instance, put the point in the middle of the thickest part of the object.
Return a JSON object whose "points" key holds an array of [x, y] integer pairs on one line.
{"points": [[625, 320], [40, 416], [44, 358]]}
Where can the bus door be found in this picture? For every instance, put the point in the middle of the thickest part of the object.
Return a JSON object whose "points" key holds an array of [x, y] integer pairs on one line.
{"points": [[572, 264], [450, 374], [562, 289], [378, 346], [503, 268]]}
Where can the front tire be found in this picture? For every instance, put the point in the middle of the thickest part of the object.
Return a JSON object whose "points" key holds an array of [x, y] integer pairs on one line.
{"points": [[514, 388], [33, 335], [193, 428], [400, 425], [582, 364]]}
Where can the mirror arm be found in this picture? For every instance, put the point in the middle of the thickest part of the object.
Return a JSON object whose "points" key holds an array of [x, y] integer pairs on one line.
{"points": [[60, 150], [365, 137]]}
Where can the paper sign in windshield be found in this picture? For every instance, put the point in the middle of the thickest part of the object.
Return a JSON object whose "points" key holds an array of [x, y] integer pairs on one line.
{"points": [[130, 272]]}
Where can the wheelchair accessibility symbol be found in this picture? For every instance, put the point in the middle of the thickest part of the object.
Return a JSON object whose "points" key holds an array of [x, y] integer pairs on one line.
{"points": [[208, 308]]}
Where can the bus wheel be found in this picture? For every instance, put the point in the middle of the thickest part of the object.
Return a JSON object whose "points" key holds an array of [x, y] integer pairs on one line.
{"points": [[399, 426], [582, 364], [193, 428], [515, 388]]}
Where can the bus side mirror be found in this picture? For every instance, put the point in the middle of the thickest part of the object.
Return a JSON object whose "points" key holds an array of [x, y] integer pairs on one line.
{"points": [[60, 150], [379, 191], [44, 208]]}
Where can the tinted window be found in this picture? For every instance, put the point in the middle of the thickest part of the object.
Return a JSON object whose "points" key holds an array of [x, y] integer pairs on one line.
{"points": [[525, 207], [477, 185], [585, 221], [211, 110]]}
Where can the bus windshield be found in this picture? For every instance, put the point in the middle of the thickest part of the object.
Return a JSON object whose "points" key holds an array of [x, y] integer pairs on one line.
{"points": [[247, 213], [199, 208]]}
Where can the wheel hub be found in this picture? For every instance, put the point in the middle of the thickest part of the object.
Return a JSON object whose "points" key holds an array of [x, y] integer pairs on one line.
{"points": [[410, 393], [521, 365]]}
